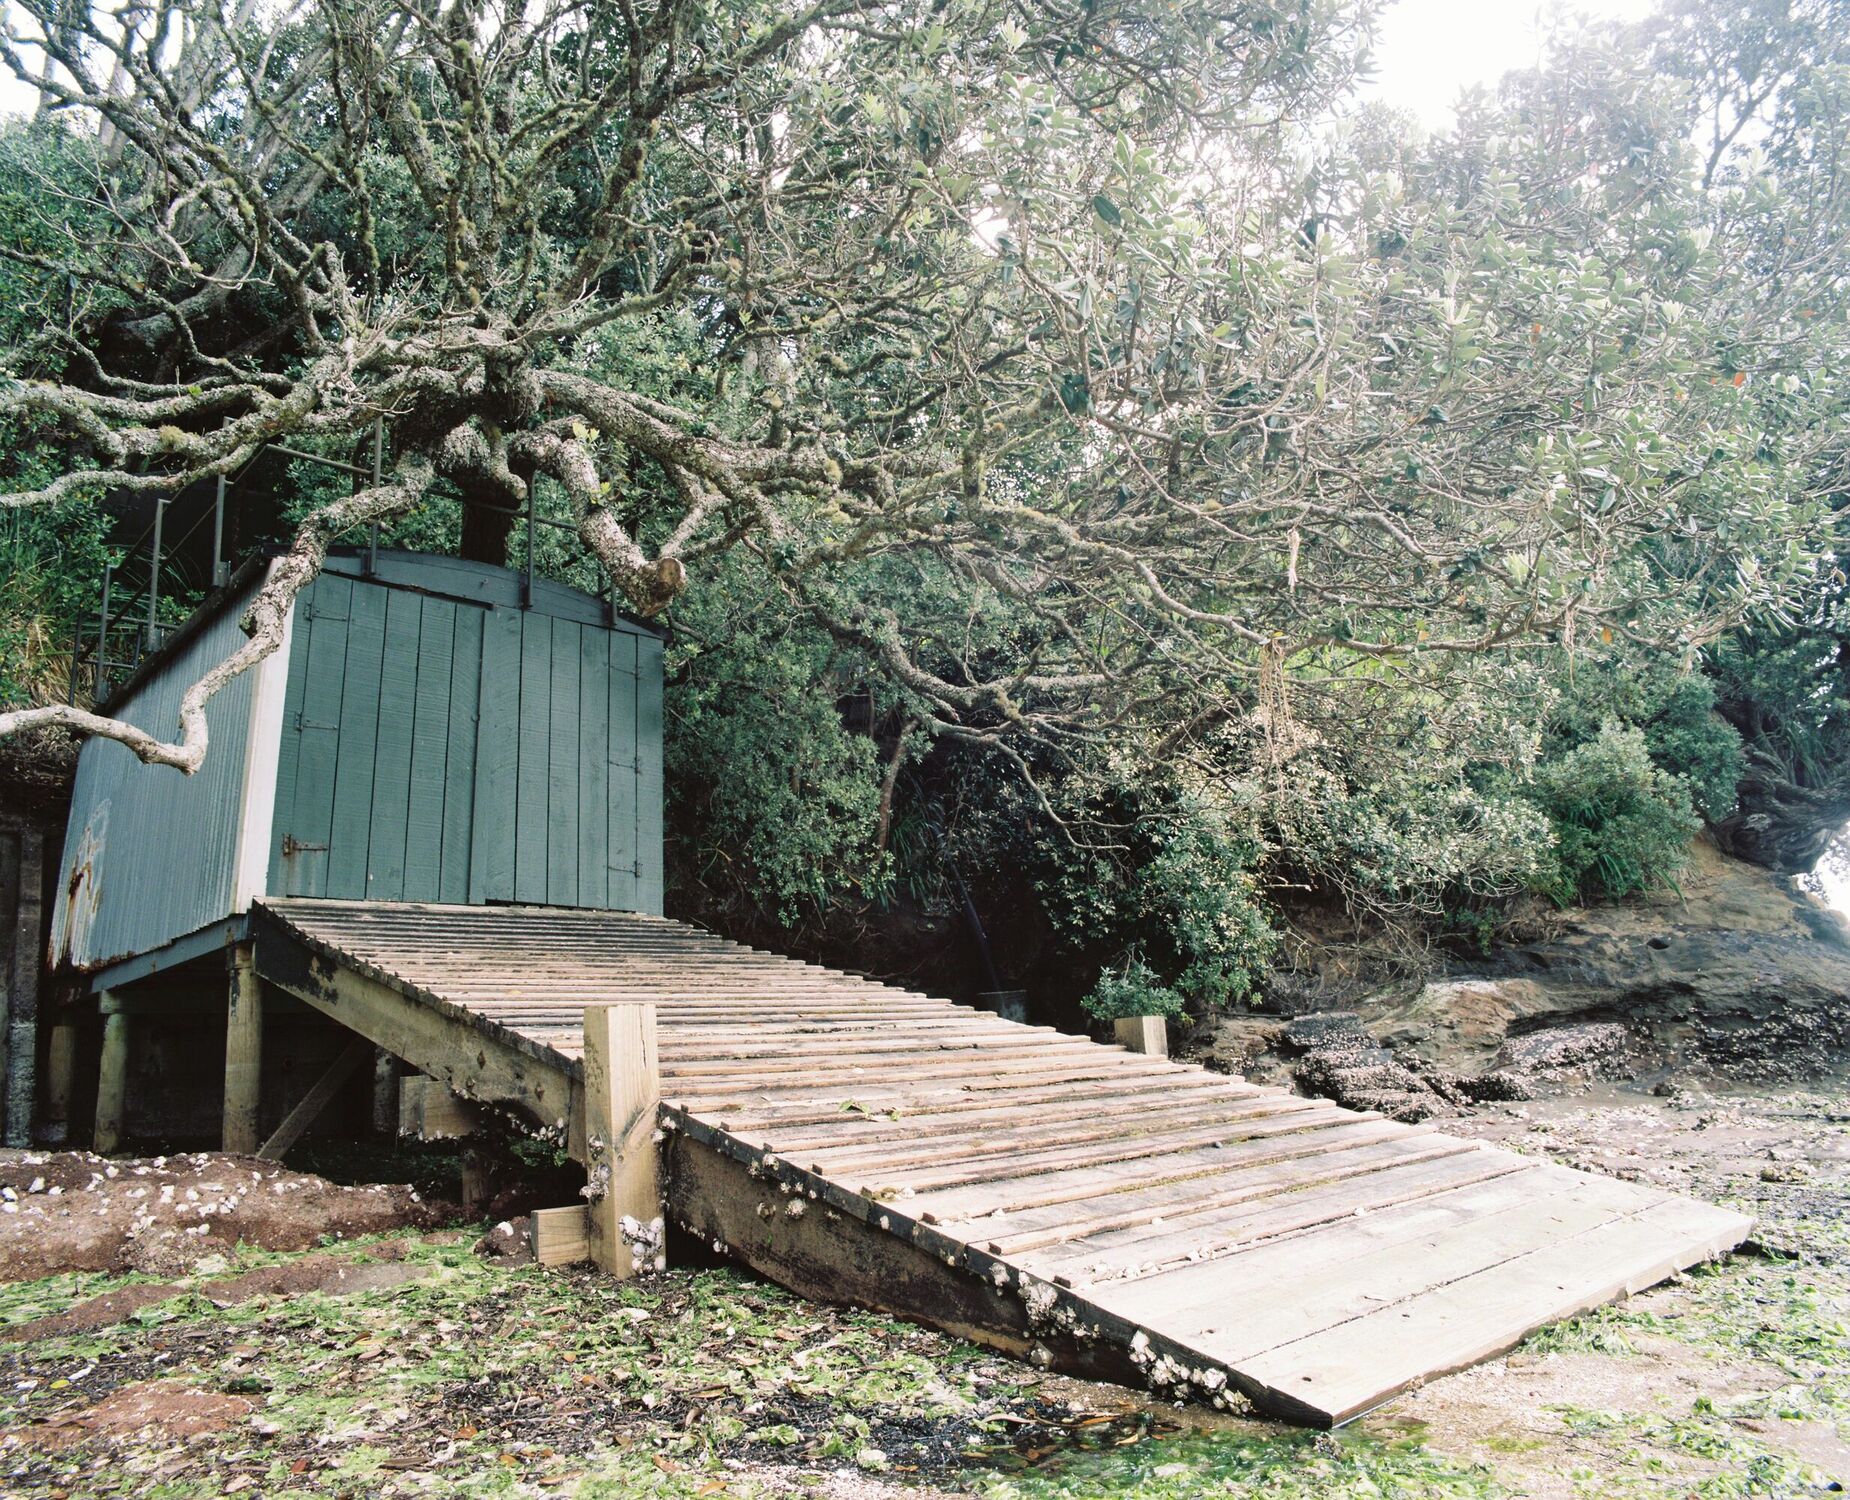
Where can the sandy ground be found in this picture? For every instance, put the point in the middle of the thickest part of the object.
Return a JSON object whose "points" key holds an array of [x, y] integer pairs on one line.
{"points": [[410, 1365]]}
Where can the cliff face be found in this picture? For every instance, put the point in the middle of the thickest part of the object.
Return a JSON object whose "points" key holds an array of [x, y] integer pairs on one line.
{"points": [[1737, 975], [1737, 971]]}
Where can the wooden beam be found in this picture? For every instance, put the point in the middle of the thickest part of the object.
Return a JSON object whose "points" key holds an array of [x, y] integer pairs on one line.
{"points": [[111, 1081], [430, 1112], [561, 1236], [356, 1052], [623, 1094], [385, 1093], [466, 1056], [1146, 1034], [243, 1052]]}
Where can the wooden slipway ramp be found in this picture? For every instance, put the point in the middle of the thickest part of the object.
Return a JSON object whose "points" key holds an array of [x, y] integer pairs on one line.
{"points": [[1087, 1207]]}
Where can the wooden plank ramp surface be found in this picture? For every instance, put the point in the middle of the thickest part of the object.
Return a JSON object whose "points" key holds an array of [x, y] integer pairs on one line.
{"points": [[1084, 1206]]}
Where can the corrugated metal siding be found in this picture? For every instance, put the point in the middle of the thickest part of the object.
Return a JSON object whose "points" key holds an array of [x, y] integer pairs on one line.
{"points": [[151, 854], [439, 749]]}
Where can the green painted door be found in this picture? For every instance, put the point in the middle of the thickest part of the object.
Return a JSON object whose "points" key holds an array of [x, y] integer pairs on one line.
{"points": [[561, 818], [377, 778], [437, 750]]}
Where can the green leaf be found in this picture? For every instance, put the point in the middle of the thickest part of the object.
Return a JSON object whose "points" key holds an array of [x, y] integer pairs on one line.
{"points": [[1107, 210]]}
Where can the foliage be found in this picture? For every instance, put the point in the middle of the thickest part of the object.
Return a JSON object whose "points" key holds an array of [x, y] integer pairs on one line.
{"points": [[48, 563], [1133, 991], [1103, 333], [1787, 692], [1675, 712], [772, 800], [1169, 909], [1621, 824]]}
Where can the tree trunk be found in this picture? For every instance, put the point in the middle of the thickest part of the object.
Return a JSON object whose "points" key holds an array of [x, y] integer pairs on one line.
{"points": [[485, 531]]}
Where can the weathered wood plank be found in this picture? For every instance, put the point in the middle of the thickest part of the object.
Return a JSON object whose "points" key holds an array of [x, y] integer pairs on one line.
{"points": [[594, 767], [562, 788], [1355, 1266], [533, 734], [1343, 1371], [620, 840], [497, 760], [560, 1236], [649, 728], [304, 837], [459, 774], [1216, 1232], [398, 695], [357, 744], [431, 732]]}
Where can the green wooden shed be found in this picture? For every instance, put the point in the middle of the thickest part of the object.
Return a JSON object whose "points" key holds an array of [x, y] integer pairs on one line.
{"points": [[432, 730]]}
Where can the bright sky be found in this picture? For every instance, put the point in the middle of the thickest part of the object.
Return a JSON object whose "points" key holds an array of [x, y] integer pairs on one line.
{"points": [[1431, 50]]}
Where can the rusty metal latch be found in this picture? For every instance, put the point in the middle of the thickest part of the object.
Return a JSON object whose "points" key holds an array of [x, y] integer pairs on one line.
{"points": [[292, 846]]}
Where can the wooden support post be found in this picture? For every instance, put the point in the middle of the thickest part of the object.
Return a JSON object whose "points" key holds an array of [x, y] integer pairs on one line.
{"points": [[243, 1052], [19, 991], [1143, 1034], [623, 1095], [60, 1079], [385, 1093], [112, 1078], [357, 1051]]}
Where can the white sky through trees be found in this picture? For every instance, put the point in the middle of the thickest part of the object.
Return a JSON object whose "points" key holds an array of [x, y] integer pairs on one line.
{"points": [[1432, 50]]}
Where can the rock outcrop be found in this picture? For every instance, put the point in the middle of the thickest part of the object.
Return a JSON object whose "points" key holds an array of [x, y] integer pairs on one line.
{"points": [[1737, 972]]}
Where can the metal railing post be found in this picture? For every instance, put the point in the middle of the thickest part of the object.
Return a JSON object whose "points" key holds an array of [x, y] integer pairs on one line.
{"points": [[102, 636], [221, 570], [154, 573]]}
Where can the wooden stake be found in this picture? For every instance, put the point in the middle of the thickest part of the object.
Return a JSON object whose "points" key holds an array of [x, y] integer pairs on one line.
{"points": [[623, 1094], [112, 1079], [60, 1080], [243, 1052], [1147, 1034]]}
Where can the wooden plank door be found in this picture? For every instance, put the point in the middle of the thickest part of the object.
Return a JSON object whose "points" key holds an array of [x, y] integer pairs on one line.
{"points": [[376, 784], [568, 766]]}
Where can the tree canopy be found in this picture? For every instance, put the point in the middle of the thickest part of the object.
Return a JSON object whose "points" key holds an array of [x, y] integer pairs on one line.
{"points": [[1115, 393]]}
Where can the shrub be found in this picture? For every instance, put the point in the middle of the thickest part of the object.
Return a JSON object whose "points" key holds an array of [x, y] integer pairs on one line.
{"points": [[1133, 992], [1174, 898], [1622, 824], [1673, 709]]}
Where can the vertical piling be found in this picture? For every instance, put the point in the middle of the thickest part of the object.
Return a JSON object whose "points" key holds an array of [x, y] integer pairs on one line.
{"points": [[623, 1094], [112, 1078], [243, 1052]]}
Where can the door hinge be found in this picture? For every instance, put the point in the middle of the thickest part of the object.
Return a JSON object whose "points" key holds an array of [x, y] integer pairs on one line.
{"points": [[293, 846]]}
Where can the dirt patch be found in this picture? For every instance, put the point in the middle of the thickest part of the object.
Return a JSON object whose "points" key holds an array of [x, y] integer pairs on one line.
{"points": [[72, 1211], [331, 1275], [165, 1408]]}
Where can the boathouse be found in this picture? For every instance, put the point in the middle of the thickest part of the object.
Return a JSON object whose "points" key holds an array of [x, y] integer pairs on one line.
{"points": [[428, 837]]}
